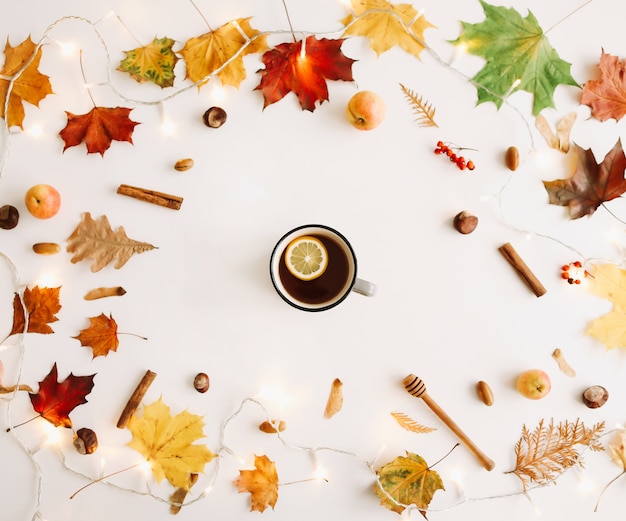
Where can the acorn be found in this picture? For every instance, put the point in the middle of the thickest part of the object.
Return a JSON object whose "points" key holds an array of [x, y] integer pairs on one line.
{"points": [[214, 117], [85, 441], [201, 382], [595, 396]]}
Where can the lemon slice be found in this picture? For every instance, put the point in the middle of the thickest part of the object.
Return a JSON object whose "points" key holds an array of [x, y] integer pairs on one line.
{"points": [[306, 257]]}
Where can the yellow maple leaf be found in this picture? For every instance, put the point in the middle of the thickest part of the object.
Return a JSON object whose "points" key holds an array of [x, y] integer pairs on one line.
{"points": [[210, 52], [153, 62], [262, 483], [609, 282], [387, 25], [29, 85], [167, 443]]}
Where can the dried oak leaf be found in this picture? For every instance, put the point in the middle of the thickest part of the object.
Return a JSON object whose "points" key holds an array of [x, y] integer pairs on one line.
{"points": [[405, 481], [518, 57], [151, 63], [387, 25], [168, 443], [55, 400], [607, 96], [542, 455], [98, 128], [222, 50], [287, 69], [609, 282], [94, 239], [262, 483], [101, 335], [29, 85], [592, 183], [41, 306]]}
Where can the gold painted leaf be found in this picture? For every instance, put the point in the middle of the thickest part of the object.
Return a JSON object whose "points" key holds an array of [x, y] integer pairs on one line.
{"points": [[94, 239], [209, 52], [168, 443], [151, 63]]}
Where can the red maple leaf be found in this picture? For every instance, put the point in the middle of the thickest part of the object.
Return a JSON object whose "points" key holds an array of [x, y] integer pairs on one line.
{"points": [[98, 128], [607, 96], [592, 183], [289, 68], [55, 400]]}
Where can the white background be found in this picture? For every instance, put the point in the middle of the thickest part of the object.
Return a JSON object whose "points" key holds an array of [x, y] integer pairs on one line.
{"points": [[448, 307]]}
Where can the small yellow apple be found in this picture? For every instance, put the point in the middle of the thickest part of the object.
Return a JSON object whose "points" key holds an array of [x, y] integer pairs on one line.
{"points": [[42, 201], [533, 384], [366, 110]]}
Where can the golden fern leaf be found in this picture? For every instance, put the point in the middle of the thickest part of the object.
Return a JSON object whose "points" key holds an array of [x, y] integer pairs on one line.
{"points": [[409, 424], [423, 110], [542, 455]]}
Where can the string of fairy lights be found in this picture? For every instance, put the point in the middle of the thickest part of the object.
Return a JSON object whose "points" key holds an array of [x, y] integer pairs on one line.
{"points": [[224, 450]]}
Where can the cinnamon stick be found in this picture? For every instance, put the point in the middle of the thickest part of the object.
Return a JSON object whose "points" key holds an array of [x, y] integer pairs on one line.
{"points": [[151, 196], [135, 398], [513, 258]]}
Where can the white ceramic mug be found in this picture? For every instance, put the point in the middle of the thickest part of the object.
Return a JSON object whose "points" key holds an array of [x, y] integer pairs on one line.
{"points": [[327, 290]]}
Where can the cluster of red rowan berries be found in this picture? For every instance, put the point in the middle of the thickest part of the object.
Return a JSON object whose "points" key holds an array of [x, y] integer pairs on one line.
{"points": [[573, 272], [458, 160]]}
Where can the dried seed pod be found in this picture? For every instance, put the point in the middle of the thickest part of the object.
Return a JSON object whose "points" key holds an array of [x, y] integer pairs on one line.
{"points": [[484, 393], [273, 426], [595, 396], [9, 217], [511, 158], [335, 399], [184, 164], [464, 222], [85, 441], [201, 382], [215, 117], [564, 367], [46, 248]]}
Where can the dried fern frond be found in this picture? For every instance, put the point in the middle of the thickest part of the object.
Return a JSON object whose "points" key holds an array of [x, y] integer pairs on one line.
{"points": [[423, 110], [409, 424], [547, 451]]}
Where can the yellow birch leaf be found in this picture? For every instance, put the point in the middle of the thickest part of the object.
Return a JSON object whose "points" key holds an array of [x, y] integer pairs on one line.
{"points": [[167, 443], [609, 282], [387, 25], [153, 62], [29, 86], [209, 52]]}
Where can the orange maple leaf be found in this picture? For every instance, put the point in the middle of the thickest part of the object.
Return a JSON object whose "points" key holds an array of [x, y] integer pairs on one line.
{"points": [[101, 335], [262, 483], [607, 96], [290, 68], [98, 128], [55, 400], [41, 305], [21, 67]]}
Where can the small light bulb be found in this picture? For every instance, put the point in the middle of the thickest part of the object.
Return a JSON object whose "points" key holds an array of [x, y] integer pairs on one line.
{"points": [[168, 127], [35, 130], [52, 434], [48, 280], [320, 473], [68, 49]]}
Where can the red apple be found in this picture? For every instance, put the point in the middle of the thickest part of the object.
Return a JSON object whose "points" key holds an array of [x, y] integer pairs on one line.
{"points": [[42, 201], [366, 110], [533, 384]]}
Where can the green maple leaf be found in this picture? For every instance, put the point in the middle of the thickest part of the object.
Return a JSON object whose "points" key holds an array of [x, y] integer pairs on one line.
{"points": [[405, 481], [519, 57], [153, 62]]}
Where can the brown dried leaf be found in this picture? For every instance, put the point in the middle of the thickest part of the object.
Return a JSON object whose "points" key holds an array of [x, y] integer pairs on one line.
{"points": [[94, 239], [542, 455], [424, 111], [101, 335], [409, 424], [41, 305], [335, 399]]}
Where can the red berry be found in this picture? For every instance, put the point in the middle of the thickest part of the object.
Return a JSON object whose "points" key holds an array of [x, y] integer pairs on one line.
{"points": [[448, 151], [578, 264], [438, 151], [440, 144], [577, 281], [470, 165], [565, 267], [565, 275]]}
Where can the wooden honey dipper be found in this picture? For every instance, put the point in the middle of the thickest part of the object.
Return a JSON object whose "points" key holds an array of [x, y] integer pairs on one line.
{"points": [[416, 387]]}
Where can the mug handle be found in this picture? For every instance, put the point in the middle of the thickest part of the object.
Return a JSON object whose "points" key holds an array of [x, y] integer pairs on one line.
{"points": [[364, 287]]}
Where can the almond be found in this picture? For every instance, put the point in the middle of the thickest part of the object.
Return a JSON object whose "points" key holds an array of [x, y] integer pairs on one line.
{"points": [[484, 393], [511, 158], [46, 248], [184, 164]]}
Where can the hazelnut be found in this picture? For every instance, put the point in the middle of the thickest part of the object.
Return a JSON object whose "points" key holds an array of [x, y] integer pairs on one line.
{"points": [[9, 217], [85, 441], [595, 396], [464, 222], [215, 117], [201, 382], [184, 164]]}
